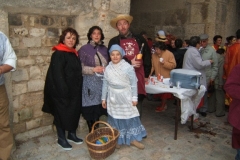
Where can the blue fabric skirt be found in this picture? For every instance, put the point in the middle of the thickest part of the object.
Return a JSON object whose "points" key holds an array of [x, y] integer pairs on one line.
{"points": [[130, 129]]}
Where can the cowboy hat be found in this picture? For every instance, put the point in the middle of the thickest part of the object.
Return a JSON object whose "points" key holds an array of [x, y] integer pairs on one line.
{"points": [[114, 21], [161, 36]]}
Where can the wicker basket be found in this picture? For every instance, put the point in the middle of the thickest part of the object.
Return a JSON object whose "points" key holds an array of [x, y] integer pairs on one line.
{"points": [[101, 151]]}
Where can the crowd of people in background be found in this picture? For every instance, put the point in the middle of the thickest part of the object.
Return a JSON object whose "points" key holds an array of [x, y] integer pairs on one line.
{"points": [[97, 80], [218, 63]]}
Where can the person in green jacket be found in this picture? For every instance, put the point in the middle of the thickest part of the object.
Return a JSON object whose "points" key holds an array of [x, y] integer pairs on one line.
{"points": [[208, 53]]}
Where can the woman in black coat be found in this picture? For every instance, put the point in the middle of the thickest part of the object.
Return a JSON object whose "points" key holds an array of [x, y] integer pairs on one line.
{"points": [[179, 53], [63, 88]]}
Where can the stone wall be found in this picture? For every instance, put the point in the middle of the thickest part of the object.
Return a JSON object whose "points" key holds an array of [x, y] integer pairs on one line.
{"points": [[185, 18], [232, 19], [100, 14], [32, 37], [33, 28]]}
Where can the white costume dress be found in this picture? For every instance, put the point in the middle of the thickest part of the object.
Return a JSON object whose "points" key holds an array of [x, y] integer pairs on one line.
{"points": [[119, 90]]}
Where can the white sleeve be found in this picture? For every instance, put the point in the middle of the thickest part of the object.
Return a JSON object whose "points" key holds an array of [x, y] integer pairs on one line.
{"points": [[9, 57]]}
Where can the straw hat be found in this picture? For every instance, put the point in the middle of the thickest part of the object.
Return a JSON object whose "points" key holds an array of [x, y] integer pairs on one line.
{"points": [[114, 21], [161, 36]]}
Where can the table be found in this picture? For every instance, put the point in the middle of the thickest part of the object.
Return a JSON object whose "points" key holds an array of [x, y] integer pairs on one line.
{"points": [[188, 99]]}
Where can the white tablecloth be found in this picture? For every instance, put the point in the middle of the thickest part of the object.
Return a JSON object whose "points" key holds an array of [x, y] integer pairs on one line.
{"points": [[190, 98]]}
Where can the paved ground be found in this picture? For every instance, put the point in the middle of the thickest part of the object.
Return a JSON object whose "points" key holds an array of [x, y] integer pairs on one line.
{"points": [[211, 141]]}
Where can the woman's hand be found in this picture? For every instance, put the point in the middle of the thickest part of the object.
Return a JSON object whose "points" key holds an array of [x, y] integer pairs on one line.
{"points": [[98, 69], [161, 60], [104, 105], [134, 103]]}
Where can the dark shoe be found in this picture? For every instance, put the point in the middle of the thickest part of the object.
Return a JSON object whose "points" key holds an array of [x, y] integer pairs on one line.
{"points": [[220, 115], [211, 111], [72, 137], [175, 102], [204, 114], [227, 108], [64, 144], [62, 139], [97, 125], [144, 137], [90, 124]]}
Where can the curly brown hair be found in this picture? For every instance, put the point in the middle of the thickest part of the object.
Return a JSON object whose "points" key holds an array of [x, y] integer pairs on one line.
{"points": [[72, 32]]}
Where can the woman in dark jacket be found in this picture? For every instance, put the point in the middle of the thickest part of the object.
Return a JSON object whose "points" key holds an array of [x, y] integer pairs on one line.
{"points": [[179, 53], [94, 57], [63, 88]]}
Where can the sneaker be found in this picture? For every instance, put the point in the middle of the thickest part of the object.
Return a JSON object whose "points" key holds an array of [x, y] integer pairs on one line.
{"points": [[137, 144]]}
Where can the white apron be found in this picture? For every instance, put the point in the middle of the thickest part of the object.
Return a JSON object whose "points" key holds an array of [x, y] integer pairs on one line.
{"points": [[119, 99]]}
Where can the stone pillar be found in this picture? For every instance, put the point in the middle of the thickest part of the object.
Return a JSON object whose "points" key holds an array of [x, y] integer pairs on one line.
{"points": [[202, 18], [232, 22], [213, 17]]}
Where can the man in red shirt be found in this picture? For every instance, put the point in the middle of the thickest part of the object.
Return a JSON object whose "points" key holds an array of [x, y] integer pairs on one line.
{"points": [[232, 58]]}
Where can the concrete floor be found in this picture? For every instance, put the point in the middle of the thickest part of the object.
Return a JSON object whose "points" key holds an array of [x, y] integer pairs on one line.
{"points": [[211, 140]]}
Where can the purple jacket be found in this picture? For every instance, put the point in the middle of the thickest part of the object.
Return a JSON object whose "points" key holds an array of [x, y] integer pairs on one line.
{"points": [[87, 52]]}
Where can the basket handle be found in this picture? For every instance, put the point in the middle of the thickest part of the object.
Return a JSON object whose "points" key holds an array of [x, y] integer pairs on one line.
{"points": [[106, 125]]}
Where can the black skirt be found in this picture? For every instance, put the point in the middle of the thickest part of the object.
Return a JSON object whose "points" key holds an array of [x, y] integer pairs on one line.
{"points": [[93, 112]]}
